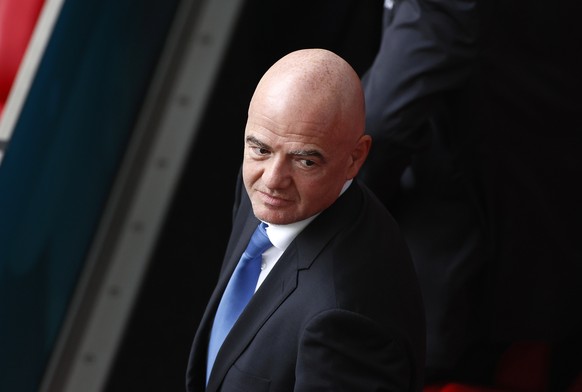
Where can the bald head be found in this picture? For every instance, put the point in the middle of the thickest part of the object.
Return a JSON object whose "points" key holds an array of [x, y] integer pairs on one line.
{"points": [[316, 85], [304, 136]]}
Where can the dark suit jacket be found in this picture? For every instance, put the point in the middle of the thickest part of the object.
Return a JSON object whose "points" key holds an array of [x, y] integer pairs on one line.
{"points": [[341, 309], [481, 100]]}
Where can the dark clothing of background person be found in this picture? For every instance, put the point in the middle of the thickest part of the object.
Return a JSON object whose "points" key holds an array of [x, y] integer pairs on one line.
{"points": [[475, 112], [335, 313]]}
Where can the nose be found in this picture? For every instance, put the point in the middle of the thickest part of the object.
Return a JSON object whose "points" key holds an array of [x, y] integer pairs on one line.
{"points": [[277, 173]]}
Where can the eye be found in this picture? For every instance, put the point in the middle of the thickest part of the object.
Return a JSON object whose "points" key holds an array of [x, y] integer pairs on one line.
{"points": [[307, 163], [309, 159], [260, 151]]}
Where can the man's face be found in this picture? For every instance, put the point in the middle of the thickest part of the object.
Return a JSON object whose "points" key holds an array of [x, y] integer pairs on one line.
{"points": [[294, 164]]}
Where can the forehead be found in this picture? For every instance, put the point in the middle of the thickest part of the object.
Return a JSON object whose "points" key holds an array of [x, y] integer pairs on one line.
{"points": [[287, 124], [289, 137], [284, 111], [291, 120]]}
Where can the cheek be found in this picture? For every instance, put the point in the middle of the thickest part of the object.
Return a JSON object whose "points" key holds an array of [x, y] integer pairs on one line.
{"points": [[249, 172], [252, 174]]}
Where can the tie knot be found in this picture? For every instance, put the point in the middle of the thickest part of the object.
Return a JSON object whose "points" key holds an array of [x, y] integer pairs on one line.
{"points": [[259, 242]]}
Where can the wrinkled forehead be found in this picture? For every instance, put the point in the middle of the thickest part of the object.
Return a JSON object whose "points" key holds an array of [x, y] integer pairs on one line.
{"points": [[296, 118]]}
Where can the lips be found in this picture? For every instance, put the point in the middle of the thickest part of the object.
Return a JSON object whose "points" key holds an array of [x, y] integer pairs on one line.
{"points": [[273, 201]]}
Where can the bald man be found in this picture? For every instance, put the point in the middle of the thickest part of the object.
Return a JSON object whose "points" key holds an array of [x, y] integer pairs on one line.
{"points": [[336, 305]]}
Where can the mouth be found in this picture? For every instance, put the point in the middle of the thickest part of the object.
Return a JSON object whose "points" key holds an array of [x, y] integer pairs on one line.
{"points": [[273, 200]]}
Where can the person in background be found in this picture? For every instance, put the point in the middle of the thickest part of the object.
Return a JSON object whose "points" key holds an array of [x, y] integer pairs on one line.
{"points": [[474, 109], [337, 304]]}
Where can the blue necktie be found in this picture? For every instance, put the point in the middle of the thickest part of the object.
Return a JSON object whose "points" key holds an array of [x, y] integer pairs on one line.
{"points": [[239, 291]]}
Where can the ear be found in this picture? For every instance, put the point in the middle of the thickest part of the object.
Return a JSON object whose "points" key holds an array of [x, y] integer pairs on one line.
{"points": [[359, 155]]}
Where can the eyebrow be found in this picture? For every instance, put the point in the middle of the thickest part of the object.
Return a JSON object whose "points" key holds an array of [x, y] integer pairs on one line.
{"points": [[307, 153], [254, 140], [299, 153]]}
